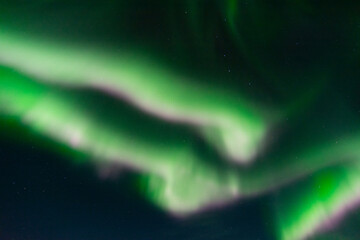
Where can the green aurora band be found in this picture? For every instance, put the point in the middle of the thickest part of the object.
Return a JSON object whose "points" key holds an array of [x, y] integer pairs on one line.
{"points": [[225, 121], [320, 203], [75, 95], [174, 176]]}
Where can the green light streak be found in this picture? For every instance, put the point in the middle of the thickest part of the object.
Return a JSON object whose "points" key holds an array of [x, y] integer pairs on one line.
{"points": [[239, 127], [46, 86], [174, 176], [60, 116], [322, 202]]}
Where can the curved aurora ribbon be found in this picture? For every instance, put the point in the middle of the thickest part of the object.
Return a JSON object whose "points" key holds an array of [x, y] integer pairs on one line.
{"points": [[174, 176], [228, 122], [73, 121], [319, 203], [51, 98]]}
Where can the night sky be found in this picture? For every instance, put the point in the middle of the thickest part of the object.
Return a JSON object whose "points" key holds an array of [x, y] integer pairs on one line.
{"points": [[169, 119]]}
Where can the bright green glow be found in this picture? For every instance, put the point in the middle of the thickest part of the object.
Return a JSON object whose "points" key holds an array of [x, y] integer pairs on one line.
{"points": [[187, 190], [239, 129], [174, 176], [189, 183], [278, 44], [322, 203]]}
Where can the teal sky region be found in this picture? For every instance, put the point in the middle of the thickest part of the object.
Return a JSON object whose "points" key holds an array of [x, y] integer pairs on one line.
{"points": [[209, 104]]}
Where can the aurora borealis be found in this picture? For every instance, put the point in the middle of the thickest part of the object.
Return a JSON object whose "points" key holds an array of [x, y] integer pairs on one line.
{"points": [[196, 107]]}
